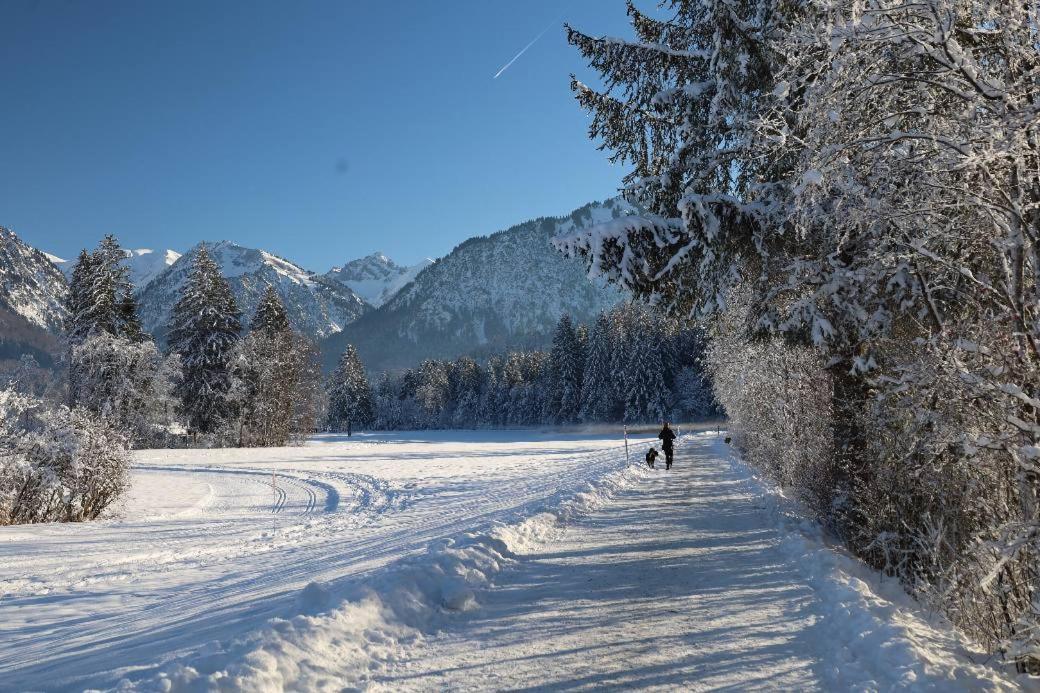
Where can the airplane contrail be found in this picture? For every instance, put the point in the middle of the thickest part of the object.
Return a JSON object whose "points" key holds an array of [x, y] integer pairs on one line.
{"points": [[524, 49]]}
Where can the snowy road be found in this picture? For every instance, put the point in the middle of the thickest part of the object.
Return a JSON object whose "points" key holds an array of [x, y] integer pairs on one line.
{"points": [[451, 561], [694, 579]]}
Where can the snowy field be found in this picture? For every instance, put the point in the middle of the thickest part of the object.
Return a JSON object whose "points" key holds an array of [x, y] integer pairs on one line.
{"points": [[448, 561], [212, 544]]}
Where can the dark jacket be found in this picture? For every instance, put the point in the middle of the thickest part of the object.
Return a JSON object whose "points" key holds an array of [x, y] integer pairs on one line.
{"points": [[666, 435]]}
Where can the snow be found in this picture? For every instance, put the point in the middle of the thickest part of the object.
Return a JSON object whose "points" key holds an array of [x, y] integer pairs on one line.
{"points": [[145, 264], [458, 561], [376, 278], [206, 549]]}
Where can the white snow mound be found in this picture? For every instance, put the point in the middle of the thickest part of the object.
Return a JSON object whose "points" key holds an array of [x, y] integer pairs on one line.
{"points": [[343, 640]]}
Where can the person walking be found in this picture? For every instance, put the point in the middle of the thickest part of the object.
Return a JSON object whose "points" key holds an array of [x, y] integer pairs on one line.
{"points": [[667, 435]]}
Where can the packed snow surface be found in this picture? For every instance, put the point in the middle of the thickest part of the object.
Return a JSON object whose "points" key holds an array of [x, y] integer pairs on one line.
{"points": [[458, 561]]}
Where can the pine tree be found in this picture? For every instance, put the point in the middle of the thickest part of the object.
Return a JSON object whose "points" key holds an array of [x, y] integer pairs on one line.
{"points": [[269, 366], [647, 397], [270, 316], [100, 298], [129, 323], [598, 387], [350, 397], [79, 301], [205, 328], [566, 363]]}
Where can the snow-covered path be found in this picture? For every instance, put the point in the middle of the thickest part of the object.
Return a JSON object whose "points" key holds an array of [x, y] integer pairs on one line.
{"points": [[686, 580], [676, 581]]}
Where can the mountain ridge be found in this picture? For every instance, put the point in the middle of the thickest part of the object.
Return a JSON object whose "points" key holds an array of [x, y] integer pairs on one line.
{"points": [[317, 306], [490, 293]]}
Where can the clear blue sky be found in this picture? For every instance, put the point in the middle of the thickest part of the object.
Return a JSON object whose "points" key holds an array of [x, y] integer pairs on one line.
{"points": [[321, 131]]}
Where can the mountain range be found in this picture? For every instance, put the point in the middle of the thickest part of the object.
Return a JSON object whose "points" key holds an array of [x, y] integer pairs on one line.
{"points": [[504, 290], [317, 306], [490, 293]]}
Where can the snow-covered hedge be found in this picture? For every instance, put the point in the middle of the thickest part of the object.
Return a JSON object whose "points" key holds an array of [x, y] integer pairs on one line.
{"points": [[57, 464]]}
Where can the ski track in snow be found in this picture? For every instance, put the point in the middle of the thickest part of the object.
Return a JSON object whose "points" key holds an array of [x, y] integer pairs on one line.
{"points": [[455, 561], [206, 548]]}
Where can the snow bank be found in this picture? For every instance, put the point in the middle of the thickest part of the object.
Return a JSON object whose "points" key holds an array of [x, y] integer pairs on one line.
{"points": [[875, 636], [344, 639]]}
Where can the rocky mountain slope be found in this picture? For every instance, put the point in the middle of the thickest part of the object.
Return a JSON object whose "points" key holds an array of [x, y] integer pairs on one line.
{"points": [[30, 284], [317, 306], [376, 278], [490, 293]]}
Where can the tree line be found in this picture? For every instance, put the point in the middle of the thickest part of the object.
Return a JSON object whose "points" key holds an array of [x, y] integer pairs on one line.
{"points": [[630, 366], [846, 196]]}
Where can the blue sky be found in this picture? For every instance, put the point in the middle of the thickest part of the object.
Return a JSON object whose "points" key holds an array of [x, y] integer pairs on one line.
{"points": [[321, 131]]}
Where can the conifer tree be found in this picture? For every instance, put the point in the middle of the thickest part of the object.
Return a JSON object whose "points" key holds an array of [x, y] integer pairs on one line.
{"points": [[270, 316], [79, 301], [129, 323], [648, 395], [269, 367], [350, 397], [206, 324], [566, 363], [597, 388]]}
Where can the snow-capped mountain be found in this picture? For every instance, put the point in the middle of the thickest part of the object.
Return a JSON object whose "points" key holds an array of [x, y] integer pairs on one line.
{"points": [[30, 284], [317, 306], [490, 293], [144, 264], [376, 278]]}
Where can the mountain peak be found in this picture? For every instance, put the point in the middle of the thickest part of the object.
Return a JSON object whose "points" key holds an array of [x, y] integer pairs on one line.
{"points": [[317, 307], [375, 277], [30, 283]]}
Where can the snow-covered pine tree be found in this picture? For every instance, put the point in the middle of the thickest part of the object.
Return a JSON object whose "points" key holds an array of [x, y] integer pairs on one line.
{"points": [[98, 291], [598, 387], [648, 396], [129, 323], [270, 317], [267, 372], [103, 313], [387, 404], [490, 407], [205, 328], [566, 363], [79, 301], [350, 395]]}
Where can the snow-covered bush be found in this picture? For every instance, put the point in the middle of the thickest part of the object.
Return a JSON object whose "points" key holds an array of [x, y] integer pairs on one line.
{"points": [[57, 464], [130, 384], [777, 397]]}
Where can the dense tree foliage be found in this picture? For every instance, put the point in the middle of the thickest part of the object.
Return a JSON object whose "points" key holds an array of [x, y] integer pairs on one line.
{"points": [[206, 328], [578, 380], [848, 195]]}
